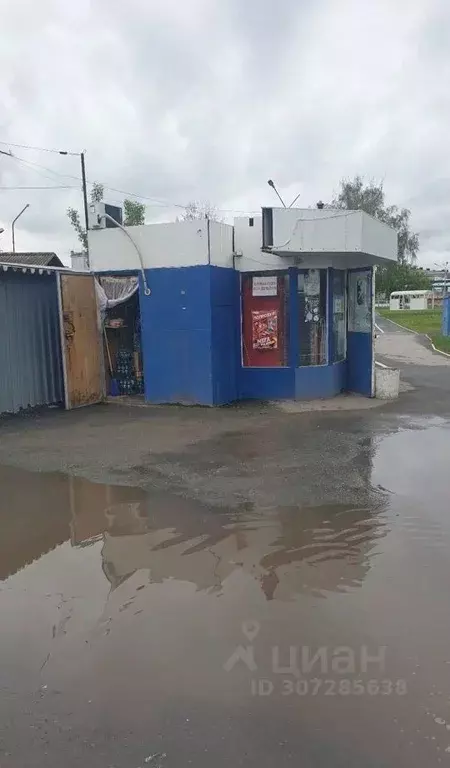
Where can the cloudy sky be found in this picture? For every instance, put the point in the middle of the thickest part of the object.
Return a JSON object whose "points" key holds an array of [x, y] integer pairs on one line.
{"points": [[175, 100]]}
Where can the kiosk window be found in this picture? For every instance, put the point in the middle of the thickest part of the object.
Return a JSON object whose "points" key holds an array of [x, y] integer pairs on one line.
{"points": [[312, 300], [339, 327]]}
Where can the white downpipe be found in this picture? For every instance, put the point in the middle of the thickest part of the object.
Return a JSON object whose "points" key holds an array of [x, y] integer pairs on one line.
{"points": [[147, 290], [374, 269]]}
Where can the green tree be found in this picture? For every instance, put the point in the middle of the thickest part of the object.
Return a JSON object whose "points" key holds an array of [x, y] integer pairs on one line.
{"points": [[97, 192], [96, 196], [401, 277], [134, 213], [74, 218], [355, 194]]}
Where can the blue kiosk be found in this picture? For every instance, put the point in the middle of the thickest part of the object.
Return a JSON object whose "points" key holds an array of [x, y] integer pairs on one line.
{"points": [[275, 306]]}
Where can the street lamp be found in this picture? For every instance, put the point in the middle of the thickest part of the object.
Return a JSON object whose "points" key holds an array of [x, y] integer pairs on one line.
{"points": [[272, 184], [83, 178], [13, 225]]}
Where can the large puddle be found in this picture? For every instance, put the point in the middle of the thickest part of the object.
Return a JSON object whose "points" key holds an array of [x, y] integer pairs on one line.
{"points": [[146, 629]]}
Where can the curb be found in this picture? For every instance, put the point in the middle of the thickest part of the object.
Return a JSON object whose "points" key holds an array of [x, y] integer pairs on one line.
{"points": [[435, 348]]}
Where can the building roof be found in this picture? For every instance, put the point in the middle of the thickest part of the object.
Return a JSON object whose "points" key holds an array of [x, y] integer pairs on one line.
{"points": [[34, 258]]}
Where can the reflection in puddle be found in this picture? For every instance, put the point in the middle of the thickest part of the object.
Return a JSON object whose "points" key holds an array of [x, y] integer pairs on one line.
{"points": [[174, 538], [121, 608]]}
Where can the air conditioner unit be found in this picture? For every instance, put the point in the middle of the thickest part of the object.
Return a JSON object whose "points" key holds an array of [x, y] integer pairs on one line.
{"points": [[96, 216], [99, 213]]}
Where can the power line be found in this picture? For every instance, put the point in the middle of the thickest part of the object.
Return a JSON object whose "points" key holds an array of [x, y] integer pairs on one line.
{"points": [[154, 200], [31, 165], [48, 187], [40, 149], [38, 165]]}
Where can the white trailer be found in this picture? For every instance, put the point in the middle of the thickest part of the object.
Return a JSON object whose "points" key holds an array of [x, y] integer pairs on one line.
{"points": [[411, 300]]}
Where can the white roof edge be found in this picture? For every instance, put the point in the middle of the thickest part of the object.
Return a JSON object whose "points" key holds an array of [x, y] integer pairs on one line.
{"points": [[5, 265], [376, 219]]}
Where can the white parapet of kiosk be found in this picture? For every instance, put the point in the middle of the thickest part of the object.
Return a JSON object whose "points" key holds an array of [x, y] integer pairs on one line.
{"points": [[295, 231], [284, 237]]}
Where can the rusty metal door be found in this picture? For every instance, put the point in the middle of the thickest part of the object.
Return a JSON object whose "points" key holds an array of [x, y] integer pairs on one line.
{"points": [[82, 351]]}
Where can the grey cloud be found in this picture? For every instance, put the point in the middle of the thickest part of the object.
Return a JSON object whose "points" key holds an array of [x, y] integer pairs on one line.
{"points": [[207, 100]]}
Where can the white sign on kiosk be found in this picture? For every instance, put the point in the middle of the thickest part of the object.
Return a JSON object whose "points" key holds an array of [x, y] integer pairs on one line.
{"points": [[264, 285]]}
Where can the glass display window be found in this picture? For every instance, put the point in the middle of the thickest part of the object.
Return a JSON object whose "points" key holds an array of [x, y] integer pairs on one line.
{"points": [[339, 311], [312, 308]]}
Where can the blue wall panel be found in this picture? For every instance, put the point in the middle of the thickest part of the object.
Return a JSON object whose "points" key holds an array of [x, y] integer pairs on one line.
{"points": [[180, 298], [320, 381], [224, 356], [305, 383], [178, 366], [359, 363], [176, 335], [225, 285], [446, 316], [190, 335], [266, 383], [225, 340]]}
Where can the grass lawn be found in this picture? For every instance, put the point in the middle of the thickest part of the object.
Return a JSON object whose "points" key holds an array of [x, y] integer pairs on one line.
{"points": [[423, 321], [441, 342]]}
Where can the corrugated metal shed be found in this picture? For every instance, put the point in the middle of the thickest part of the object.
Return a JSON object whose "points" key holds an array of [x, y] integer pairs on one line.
{"points": [[30, 347], [35, 258]]}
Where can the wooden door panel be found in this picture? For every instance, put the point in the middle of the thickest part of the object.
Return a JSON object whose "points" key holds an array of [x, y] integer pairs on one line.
{"points": [[82, 350]]}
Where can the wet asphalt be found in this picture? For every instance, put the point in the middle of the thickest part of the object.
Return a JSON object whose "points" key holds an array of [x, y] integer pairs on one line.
{"points": [[238, 586]]}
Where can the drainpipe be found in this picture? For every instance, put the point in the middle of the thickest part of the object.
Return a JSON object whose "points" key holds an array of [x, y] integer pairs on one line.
{"points": [[208, 231], [147, 290]]}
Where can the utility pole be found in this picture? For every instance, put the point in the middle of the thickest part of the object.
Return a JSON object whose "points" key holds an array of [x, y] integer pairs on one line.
{"points": [[85, 201], [84, 190]]}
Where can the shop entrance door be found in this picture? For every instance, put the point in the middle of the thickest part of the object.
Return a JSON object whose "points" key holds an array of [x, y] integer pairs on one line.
{"points": [[360, 339], [84, 380]]}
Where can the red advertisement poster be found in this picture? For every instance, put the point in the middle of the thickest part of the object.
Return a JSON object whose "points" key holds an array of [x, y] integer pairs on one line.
{"points": [[265, 329]]}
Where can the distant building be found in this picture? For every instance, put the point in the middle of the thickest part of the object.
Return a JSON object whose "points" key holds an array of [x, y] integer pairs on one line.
{"points": [[79, 261], [440, 279], [31, 258]]}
